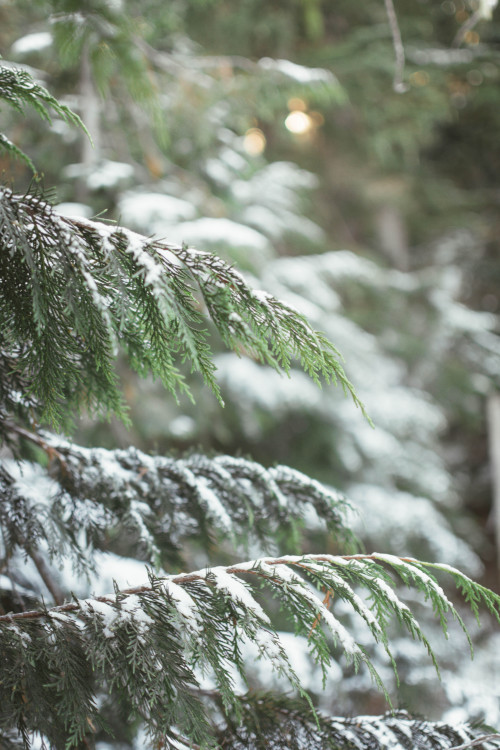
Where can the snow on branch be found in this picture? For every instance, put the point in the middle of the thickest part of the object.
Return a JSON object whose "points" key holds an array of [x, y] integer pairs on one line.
{"points": [[195, 67], [279, 723], [92, 495], [299, 73], [154, 641], [73, 291], [225, 600]]}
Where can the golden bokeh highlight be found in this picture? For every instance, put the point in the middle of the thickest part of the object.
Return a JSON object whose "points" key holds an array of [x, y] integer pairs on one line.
{"points": [[317, 118], [297, 105], [298, 122], [472, 37], [419, 78], [254, 141]]}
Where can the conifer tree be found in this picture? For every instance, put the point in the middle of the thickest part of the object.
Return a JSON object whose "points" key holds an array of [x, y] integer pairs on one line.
{"points": [[162, 661]]}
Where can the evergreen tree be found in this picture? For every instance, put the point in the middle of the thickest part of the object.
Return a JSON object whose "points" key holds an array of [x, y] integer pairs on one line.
{"points": [[165, 655]]}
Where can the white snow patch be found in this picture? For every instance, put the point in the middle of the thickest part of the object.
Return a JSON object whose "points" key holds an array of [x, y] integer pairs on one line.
{"points": [[129, 609], [25, 637], [73, 210], [184, 604], [397, 562], [111, 467], [32, 482], [125, 571], [182, 426], [298, 73], [237, 590], [151, 212], [214, 507], [103, 176], [219, 231], [106, 611], [278, 224], [35, 42]]}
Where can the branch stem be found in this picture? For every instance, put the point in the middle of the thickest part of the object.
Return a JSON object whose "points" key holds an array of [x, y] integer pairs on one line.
{"points": [[469, 24], [184, 578], [46, 576], [398, 83], [477, 741]]}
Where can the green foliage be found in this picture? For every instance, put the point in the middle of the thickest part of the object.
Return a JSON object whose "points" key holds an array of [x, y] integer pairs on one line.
{"points": [[92, 501], [73, 293], [103, 32], [149, 643], [18, 89]]}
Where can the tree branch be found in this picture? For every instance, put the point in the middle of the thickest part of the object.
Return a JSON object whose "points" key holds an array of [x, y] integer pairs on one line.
{"points": [[46, 576], [244, 568], [33, 437], [398, 83], [477, 741]]}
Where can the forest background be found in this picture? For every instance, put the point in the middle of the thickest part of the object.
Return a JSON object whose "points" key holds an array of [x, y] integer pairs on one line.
{"points": [[272, 134]]}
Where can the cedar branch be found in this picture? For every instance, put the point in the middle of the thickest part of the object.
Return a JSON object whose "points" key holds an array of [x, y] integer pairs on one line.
{"points": [[189, 577]]}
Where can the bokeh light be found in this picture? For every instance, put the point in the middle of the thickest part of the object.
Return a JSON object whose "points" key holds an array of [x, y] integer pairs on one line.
{"points": [[254, 141], [297, 104], [298, 122]]}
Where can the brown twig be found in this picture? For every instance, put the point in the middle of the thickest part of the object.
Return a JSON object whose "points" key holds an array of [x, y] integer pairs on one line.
{"points": [[326, 603], [187, 578], [35, 438], [477, 741]]}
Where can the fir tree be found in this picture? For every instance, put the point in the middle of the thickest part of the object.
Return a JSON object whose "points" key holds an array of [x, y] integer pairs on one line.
{"points": [[74, 293]]}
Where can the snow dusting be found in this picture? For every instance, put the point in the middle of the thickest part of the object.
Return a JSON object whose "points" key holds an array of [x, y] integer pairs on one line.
{"points": [[184, 604], [298, 73], [33, 483], [129, 609], [237, 590]]}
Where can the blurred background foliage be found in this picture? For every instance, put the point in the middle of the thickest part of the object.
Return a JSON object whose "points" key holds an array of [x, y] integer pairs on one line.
{"points": [[271, 134]]}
